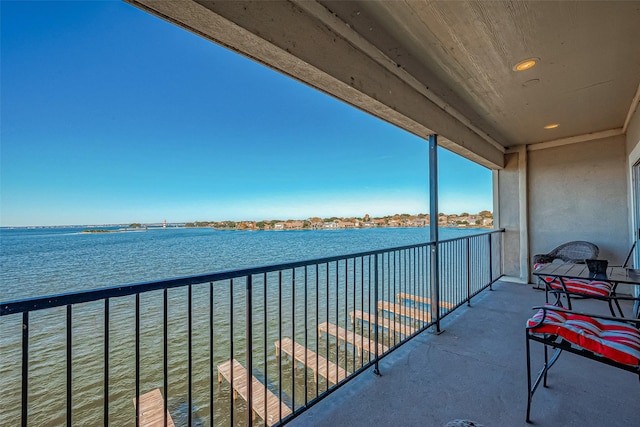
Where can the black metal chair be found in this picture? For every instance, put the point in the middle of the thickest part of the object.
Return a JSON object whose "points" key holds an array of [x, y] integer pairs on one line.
{"points": [[579, 288], [572, 252], [575, 252]]}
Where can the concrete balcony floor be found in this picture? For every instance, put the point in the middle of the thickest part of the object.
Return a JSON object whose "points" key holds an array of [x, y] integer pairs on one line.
{"points": [[476, 370]]}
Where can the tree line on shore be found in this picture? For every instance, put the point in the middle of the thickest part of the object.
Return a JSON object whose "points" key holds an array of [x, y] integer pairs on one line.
{"points": [[482, 219]]}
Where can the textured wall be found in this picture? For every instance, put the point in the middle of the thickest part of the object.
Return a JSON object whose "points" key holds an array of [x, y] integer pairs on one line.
{"points": [[579, 192], [508, 183]]}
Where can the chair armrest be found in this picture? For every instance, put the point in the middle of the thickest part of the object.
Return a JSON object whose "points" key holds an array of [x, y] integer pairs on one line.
{"points": [[542, 259], [629, 320]]}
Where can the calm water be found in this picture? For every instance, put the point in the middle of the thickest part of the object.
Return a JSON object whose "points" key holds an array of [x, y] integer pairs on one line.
{"points": [[38, 262]]}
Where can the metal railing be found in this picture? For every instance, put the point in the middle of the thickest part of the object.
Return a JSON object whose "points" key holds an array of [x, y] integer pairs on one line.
{"points": [[300, 329]]}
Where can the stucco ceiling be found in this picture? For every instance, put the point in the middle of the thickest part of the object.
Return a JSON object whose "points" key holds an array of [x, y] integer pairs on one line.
{"points": [[445, 67], [585, 80]]}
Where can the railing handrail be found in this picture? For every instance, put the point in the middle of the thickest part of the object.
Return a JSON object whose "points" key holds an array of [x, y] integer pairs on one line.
{"points": [[246, 305], [117, 291]]}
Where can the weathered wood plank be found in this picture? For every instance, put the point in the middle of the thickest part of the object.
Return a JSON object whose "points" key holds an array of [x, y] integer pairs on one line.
{"points": [[393, 326], [402, 310], [274, 407], [360, 342], [422, 300], [151, 410], [318, 364]]}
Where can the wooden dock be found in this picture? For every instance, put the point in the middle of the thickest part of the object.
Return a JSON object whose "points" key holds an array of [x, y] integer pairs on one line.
{"points": [[152, 409], [274, 407], [318, 364], [358, 341], [422, 300], [404, 311], [389, 324]]}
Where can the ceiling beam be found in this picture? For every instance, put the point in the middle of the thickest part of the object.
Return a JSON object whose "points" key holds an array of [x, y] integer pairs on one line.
{"points": [[569, 140], [305, 41], [632, 109]]}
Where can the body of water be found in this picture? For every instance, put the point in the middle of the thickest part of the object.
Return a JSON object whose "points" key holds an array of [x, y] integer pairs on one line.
{"points": [[38, 262]]}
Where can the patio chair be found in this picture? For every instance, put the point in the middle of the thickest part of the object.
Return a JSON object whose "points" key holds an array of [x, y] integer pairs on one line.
{"points": [[612, 341], [575, 252], [580, 288]]}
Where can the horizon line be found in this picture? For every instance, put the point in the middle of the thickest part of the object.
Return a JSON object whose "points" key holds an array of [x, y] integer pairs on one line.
{"points": [[116, 224]]}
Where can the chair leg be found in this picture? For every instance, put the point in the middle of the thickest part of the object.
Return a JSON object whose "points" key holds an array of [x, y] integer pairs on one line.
{"points": [[619, 308], [611, 308], [542, 375], [529, 392]]}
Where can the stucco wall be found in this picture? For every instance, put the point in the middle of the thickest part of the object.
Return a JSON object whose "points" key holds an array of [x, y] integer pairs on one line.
{"points": [[509, 216], [633, 152], [579, 192]]}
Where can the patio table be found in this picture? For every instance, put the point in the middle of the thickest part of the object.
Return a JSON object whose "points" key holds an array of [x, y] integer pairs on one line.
{"points": [[615, 275]]}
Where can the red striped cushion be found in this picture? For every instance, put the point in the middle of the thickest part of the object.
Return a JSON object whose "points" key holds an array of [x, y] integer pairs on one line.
{"points": [[584, 287], [614, 340], [552, 320], [579, 286]]}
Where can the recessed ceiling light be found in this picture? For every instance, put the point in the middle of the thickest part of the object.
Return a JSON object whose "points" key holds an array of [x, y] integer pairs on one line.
{"points": [[552, 126], [526, 64]]}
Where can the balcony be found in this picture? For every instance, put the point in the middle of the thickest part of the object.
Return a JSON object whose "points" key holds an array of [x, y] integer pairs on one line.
{"points": [[100, 356], [94, 357], [431, 68]]}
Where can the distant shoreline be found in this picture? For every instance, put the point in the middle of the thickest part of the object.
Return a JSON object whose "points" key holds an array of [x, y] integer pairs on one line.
{"points": [[120, 230], [483, 219]]}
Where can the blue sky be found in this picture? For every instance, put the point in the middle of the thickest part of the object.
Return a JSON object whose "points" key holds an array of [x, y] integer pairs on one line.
{"points": [[110, 115]]}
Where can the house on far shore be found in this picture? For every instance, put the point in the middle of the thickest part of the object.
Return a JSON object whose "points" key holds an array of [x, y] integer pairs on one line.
{"points": [[294, 225]]}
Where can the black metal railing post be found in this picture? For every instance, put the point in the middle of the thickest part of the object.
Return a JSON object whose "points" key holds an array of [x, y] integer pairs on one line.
{"points": [[435, 286], [265, 323], [376, 369], [137, 344], [211, 362], [25, 367], [105, 409], [293, 332], [249, 338], [190, 357], [468, 247], [69, 365], [490, 263], [306, 329], [165, 351], [231, 355]]}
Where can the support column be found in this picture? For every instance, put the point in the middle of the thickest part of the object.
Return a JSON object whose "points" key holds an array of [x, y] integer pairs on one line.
{"points": [[433, 227]]}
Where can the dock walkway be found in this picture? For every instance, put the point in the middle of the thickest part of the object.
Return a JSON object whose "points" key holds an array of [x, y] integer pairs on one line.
{"points": [[358, 341], [151, 410], [274, 407], [389, 324], [318, 364], [404, 311], [422, 300]]}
